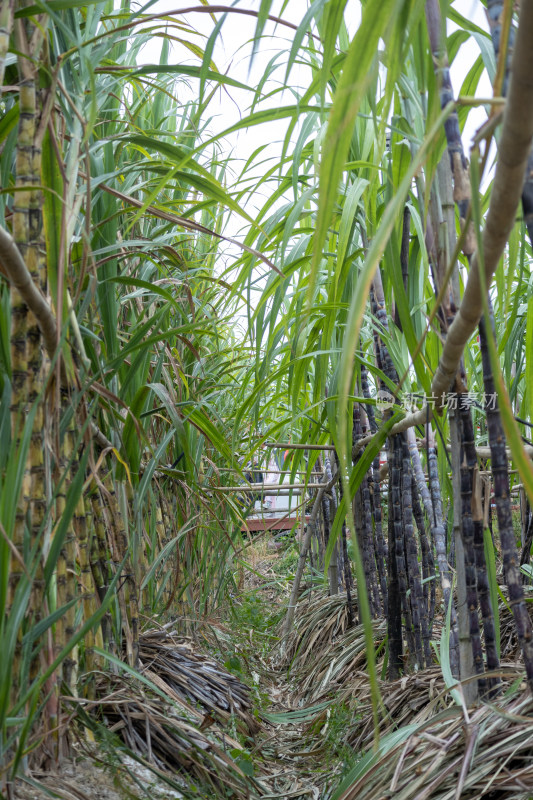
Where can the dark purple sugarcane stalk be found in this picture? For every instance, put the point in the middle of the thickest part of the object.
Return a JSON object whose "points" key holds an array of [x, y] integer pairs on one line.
{"points": [[365, 389], [494, 13], [362, 536], [483, 590], [419, 612], [439, 537], [380, 313], [369, 545], [468, 464], [363, 525], [348, 581], [502, 499], [380, 544], [461, 196], [428, 562], [404, 259], [458, 162], [526, 549], [525, 512], [363, 529], [398, 553], [424, 492], [418, 472], [395, 481], [394, 615]]}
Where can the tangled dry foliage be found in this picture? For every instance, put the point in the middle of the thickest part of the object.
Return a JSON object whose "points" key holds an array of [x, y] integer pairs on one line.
{"points": [[177, 746], [180, 717], [322, 652], [319, 621], [185, 725], [175, 666], [485, 753], [412, 699]]}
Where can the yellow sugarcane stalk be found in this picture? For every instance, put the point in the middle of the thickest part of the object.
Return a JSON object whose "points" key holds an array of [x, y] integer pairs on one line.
{"points": [[66, 565], [101, 556], [81, 522], [167, 594], [18, 338], [6, 25], [128, 596]]}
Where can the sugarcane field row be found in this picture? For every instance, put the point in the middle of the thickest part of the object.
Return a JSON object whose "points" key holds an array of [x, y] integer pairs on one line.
{"points": [[266, 400]]}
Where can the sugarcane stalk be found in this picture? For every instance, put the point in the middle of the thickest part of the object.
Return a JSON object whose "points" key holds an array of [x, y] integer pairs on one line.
{"points": [[468, 465], [400, 519], [291, 608], [466, 661], [428, 564], [404, 260], [69, 463], [367, 491], [380, 544], [168, 591], [418, 473], [326, 527], [128, 596], [439, 537], [19, 314], [483, 592], [6, 26], [348, 580], [501, 27], [363, 526], [493, 659], [419, 609], [458, 161], [526, 549], [502, 499], [367, 511], [21, 379], [86, 579], [102, 555], [395, 487], [398, 574], [394, 615], [473, 559], [333, 571], [91, 550], [319, 527], [419, 487]]}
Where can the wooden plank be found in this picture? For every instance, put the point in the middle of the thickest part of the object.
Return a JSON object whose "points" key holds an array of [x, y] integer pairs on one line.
{"points": [[273, 524]]}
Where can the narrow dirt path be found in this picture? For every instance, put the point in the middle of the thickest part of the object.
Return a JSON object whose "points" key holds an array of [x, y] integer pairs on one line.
{"points": [[294, 752]]}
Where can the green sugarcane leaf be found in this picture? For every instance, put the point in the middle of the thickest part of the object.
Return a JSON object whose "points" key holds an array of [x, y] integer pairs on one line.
{"points": [[490, 558], [132, 446], [528, 345], [349, 94]]}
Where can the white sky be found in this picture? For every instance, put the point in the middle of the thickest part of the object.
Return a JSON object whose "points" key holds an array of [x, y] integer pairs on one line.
{"points": [[232, 55], [234, 46]]}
